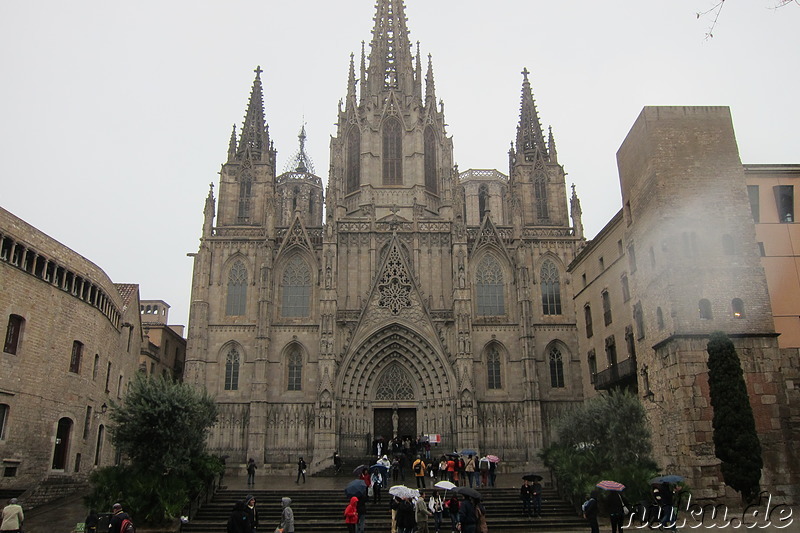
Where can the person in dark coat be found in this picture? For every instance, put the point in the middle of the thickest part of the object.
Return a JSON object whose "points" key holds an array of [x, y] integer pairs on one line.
{"points": [[301, 470], [590, 510], [452, 509], [251, 512], [467, 519], [526, 495], [90, 524], [238, 519], [405, 516], [362, 514], [536, 488], [615, 511]]}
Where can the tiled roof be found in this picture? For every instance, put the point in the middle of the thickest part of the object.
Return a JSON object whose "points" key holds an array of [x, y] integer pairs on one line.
{"points": [[127, 290]]}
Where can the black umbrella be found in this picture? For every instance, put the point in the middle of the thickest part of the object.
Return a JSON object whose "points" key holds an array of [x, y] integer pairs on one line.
{"points": [[359, 469], [468, 491], [532, 477], [356, 488], [672, 478], [451, 454]]}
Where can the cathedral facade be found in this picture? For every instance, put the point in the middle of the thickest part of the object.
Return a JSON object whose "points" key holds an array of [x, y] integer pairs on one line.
{"points": [[405, 298]]}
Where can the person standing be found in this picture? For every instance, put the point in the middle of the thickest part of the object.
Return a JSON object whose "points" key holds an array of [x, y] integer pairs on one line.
{"points": [[492, 474], [287, 516], [616, 511], [469, 469], [452, 508], [12, 517], [90, 524], [361, 526], [436, 505], [419, 471], [405, 516], [536, 488], [117, 516], [421, 513], [590, 510], [351, 515], [467, 519], [377, 484], [337, 463], [252, 513], [251, 472], [526, 495], [238, 519], [301, 470], [483, 466]]}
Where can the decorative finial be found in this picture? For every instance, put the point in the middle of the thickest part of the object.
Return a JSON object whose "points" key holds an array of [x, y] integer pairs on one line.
{"points": [[525, 73], [258, 71]]}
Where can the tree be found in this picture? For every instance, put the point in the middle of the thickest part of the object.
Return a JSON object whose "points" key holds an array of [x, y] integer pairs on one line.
{"points": [[736, 442], [160, 428], [606, 438], [716, 9]]}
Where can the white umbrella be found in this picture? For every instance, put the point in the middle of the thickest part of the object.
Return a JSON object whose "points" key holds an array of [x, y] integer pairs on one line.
{"points": [[401, 491], [446, 485]]}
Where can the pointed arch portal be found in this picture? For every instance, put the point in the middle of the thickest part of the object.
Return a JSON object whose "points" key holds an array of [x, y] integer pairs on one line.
{"points": [[395, 383]]}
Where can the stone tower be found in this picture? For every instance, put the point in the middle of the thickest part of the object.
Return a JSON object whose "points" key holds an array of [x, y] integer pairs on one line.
{"points": [[429, 302]]}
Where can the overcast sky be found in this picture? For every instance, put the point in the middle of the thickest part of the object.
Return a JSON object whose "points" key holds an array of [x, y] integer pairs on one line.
{"points": [[115, 116]]}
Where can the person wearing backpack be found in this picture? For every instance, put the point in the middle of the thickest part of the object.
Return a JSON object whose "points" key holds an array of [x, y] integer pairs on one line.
{"points": [[419, 472], [483, 466], [590, 510], [118, 518]]}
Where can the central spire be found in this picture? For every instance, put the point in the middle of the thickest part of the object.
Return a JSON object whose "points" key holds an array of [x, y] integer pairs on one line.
{"points": [[390, 59], [529, 131], [254, 136]]}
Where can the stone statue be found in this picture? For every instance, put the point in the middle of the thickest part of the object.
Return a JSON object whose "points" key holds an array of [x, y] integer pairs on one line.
{"points": [[395, 421]]}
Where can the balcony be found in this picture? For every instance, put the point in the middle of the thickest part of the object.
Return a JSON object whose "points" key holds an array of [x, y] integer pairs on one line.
{"points": [[621, 375]]}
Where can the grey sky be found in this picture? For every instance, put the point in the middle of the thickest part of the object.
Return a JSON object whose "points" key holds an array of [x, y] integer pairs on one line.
{"points": [[115, 116]]}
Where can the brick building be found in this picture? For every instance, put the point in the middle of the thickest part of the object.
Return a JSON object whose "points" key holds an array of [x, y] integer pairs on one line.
{"points": [[679, 261], [72, 338]]}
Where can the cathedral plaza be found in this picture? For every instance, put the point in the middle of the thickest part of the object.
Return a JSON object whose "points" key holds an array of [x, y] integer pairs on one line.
{"points": [[395, 295]]}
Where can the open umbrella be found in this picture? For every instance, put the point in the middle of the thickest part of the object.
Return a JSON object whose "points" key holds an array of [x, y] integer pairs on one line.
{"points": [[356, 488], [360, 468], [672, 478], [446, 485], [401, 491], [532, 477], [468, 491], [611, 485], [493, 458], [451, 454], [377, 466], [468, 451]]}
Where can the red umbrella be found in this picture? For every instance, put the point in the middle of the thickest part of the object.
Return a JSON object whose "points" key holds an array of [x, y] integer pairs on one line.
{"points": [[493, 458], [611, 485]]}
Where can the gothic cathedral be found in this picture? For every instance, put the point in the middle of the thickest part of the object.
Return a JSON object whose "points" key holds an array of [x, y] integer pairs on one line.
{"points": [[409, 298]]}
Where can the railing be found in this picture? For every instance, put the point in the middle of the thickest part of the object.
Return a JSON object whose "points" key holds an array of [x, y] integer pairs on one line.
{"points": [[615, 373]]}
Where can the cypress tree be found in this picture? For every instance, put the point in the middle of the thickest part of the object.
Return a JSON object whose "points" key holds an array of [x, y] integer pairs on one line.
{"points": [[736, 442]]}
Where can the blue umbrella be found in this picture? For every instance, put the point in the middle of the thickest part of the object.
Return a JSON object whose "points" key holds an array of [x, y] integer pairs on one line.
{"points": [[468, 451], [356, 488], [672, 478], [377, 466]]}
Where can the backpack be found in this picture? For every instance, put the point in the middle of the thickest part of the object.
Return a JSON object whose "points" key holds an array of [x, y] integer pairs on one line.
{"points": [[127, 526], [418, 467]]}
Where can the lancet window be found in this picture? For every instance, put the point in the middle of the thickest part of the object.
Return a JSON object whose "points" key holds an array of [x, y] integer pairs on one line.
{"points": [[353, 165], [493, 367], [392, 152], [490, 287], [295, 369], [237, 290], [232, 370], [431, 179], [551, 289], [296, 288], [245, 197], [556, 368]]}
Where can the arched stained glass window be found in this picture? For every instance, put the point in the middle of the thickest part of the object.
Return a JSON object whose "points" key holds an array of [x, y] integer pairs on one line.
{"points": [[490, 288], [237, 290], [295, 369], [392, 152], [394, 384], [551, 289], [493, 367], [431, 179], [556, 368], [296, 288], [353, 169], [232, 370]]}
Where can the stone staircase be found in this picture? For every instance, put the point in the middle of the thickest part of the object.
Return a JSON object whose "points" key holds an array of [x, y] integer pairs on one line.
{"points": [[319, 511]]}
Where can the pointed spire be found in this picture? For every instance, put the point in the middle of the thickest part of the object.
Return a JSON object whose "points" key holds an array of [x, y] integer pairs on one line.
{"points": [[232, 144], [301, 162], [254, 135], [529, 130], [430, 86], [576, 212], [390, 62], [418, 76], [351, 83], [208, 212], [363, 79], [551, 145]]}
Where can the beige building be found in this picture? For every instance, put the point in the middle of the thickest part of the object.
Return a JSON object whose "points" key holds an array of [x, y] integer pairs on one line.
{"points": [[427, 301], [771, 190], [683, 258], [71, 342], [164, 348]]}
